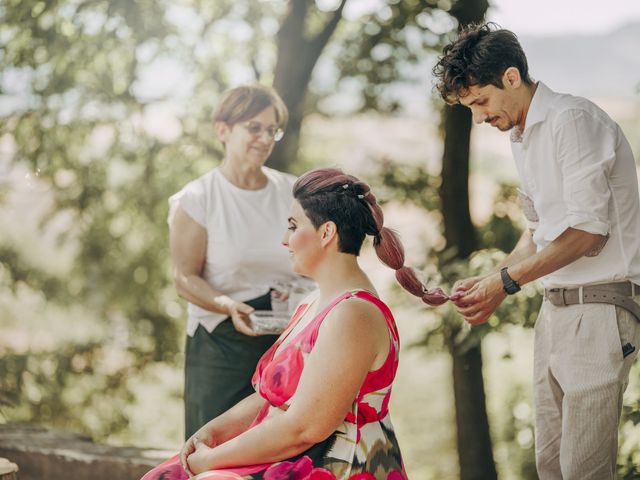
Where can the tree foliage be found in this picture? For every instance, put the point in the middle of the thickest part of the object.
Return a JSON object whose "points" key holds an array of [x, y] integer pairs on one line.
{"points": [[109, 107]]}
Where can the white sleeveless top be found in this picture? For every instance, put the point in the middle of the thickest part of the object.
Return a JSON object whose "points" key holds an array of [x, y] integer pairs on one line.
{"points": [[245, 228]]}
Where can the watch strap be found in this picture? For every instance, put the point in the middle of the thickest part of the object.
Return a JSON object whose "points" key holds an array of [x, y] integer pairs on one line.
{"points": [[509, 285]]}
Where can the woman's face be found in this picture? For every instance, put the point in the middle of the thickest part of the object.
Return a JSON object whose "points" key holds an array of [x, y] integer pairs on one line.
{"points": [[252, 141], [303, 241]]}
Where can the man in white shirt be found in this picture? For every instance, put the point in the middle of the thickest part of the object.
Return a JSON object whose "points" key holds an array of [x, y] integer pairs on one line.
{"points": [[579, 192]]}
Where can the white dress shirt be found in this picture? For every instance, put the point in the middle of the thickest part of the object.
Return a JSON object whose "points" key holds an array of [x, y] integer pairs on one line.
{"points": [[577, 170], [245, 228]]}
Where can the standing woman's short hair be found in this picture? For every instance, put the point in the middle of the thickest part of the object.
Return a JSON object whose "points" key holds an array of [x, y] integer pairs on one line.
{"points": [[243, 103]]}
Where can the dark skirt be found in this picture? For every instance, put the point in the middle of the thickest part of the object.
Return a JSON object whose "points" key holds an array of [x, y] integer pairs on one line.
{"points": [[218, 368]]}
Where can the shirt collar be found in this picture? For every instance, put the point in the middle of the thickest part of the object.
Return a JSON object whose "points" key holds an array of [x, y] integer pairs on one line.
{"points": [[540, 105]]}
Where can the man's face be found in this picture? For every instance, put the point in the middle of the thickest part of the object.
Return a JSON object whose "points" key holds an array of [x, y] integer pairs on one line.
{"points": [[496, 106]]}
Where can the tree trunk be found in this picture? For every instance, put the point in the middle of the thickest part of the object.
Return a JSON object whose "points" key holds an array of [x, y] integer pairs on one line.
{"points": [[297, 56], [454, 192], [474, 442], [473, 438], [475, 454]]}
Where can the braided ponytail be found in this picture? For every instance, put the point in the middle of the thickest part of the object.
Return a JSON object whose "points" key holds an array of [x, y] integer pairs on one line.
{"points": [[391, 252], [320, 189]]}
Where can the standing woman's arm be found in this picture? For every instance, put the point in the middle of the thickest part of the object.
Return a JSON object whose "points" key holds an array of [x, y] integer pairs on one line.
{"points": [[188, 253]]}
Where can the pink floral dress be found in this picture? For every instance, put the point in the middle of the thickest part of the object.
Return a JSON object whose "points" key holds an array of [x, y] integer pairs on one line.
{"points": [[363, 447]]}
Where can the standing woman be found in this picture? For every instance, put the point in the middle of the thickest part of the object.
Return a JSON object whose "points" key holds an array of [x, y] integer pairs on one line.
{"points": [[225, 231]]}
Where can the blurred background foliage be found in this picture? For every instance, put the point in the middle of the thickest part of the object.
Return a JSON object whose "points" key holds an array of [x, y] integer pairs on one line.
{"points": [[106, 112]]}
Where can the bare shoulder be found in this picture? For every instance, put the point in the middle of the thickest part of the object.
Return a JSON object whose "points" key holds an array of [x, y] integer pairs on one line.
{"points": [[354, 316]]}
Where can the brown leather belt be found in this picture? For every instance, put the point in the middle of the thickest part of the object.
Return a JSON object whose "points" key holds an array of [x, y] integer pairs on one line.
{"points": [[620, 294]]}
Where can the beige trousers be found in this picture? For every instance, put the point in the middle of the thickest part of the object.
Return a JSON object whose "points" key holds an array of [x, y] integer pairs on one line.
{"points": [[580, 374]]}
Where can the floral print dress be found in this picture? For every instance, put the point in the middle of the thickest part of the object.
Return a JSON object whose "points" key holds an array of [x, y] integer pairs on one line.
{"points": [[364, 446]]}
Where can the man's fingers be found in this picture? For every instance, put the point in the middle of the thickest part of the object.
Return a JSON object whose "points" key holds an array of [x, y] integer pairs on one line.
{"points": [[468, 299], [479, 315], [461, 301], [470, 310], [477, 319]]}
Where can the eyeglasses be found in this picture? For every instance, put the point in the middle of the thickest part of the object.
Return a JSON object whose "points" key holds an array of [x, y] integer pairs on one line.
{"points": [[256, 129]]}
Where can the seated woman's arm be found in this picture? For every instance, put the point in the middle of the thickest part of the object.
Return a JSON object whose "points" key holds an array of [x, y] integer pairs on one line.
{"points": [[188, 252], [353, 336], [226, 426], [232, 422]]}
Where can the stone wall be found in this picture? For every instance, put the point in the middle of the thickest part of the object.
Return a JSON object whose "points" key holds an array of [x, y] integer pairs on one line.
{"points": [[47, 454]]}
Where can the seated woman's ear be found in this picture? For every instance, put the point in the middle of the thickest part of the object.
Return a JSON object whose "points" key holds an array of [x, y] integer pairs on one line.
{"points": [[329, 232]]}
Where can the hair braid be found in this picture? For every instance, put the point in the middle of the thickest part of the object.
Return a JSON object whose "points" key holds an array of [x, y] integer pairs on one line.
{"points": [[387, 244], [391, 252]]}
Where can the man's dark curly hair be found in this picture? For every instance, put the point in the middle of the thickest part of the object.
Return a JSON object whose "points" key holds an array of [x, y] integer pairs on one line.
{"points": [[479, 56]]}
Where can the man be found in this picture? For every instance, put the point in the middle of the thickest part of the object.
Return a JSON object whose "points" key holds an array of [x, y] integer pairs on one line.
{"points": [[579, 191]]}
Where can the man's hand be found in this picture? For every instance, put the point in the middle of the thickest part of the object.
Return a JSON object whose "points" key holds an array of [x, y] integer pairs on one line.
{"points": [[481, 299], [463, 286]]}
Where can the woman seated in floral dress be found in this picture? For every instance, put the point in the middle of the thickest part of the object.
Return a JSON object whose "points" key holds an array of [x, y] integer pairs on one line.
{"points": [[321, 407]]}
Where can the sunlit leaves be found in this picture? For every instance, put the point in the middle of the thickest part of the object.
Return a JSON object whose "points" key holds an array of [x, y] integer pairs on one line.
{"points": [[395, 39]]}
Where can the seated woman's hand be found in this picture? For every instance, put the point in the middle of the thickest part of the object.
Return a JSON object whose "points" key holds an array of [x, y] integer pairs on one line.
{"points": [[189, 447], [199, 460]]}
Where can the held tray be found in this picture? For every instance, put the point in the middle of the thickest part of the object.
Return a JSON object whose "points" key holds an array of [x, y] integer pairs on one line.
{"points": [[267, 322]]}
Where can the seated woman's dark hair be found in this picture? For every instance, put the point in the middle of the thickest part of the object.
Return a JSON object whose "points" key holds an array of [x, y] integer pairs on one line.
{"points": [[328, 194], [479, 56]]}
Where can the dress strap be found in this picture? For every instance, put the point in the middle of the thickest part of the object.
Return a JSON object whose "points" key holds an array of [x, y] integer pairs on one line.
{"points": [[364, 295], [381, 378], [325, 311]]}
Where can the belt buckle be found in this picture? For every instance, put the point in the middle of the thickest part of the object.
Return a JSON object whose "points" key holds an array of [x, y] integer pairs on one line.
{"points": [[561, 291]]}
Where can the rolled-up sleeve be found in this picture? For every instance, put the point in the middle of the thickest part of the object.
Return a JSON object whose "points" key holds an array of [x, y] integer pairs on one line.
{"points": [[585, 152]]}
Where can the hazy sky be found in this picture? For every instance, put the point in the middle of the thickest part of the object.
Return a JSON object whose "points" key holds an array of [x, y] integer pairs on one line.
{"points": [[548, 17]]}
